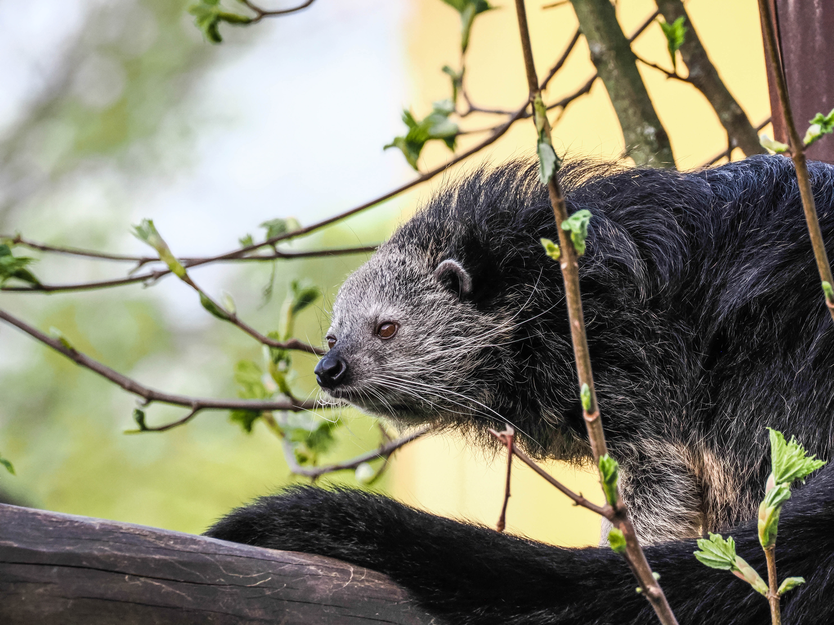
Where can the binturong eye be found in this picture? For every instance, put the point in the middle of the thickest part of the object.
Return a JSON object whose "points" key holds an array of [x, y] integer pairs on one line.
{"points": [[331, 341], [387, 330]]}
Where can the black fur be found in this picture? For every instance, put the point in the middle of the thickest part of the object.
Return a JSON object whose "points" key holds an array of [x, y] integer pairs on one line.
{"points": [[706, 324], [471, 575]]}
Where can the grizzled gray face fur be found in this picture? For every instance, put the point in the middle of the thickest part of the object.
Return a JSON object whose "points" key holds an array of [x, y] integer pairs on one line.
{"points": [[407, 343]]}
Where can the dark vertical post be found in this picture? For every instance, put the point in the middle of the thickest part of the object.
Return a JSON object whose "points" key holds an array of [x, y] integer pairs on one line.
{"points": [[805, 32]]}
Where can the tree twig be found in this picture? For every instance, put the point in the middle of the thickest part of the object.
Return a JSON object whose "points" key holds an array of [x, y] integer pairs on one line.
{"points": [[704, 77], [773, 586], [797, 147], [149, 395], [726, 153], [570, 273], [507, 437], [383, 451], [604, 511], [262, 13]]}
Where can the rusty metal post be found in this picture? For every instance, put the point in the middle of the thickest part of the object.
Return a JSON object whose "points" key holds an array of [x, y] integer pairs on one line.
{"points": [[805, 29]]}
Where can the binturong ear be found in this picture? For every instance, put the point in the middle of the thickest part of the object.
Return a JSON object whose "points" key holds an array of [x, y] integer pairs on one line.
{"points": [[451, 274]]}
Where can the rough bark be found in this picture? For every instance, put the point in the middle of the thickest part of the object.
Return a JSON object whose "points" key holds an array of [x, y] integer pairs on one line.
{"points": [[705, 78], [646, 139], [63, 569]]}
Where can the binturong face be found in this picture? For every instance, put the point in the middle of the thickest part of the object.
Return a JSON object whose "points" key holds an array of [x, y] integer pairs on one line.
{"points": [[407, 343]]}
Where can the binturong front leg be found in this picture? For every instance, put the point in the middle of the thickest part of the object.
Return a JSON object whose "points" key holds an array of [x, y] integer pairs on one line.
{"points": [[663, 493], [469, 575]]}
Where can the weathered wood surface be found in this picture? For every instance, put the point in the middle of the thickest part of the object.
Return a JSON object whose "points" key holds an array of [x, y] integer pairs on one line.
{"points": [[59, 568]]}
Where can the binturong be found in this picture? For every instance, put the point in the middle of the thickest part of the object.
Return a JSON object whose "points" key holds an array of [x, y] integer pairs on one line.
{"points": [[706, 324]]}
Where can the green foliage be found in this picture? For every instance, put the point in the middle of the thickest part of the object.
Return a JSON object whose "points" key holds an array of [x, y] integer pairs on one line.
{"points": [[577, 224], [551, 248], [59, 336], [245, 418], [6, 463], [774, 146], [609, 471], [208, 14], [820, 125], [468, 9], [14, 267], [147, 233], [675, 34], [789, 584], [790, 461], [585, 396], [617, 540], [548, 161], [829, 292], [457, 80], [308, 434], [436, 126], [769, 511], [718, 553], [278, 227], [213, 308]]}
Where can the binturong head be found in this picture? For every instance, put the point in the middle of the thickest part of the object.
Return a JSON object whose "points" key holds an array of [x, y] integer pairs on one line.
{"points": [[457, 319]]}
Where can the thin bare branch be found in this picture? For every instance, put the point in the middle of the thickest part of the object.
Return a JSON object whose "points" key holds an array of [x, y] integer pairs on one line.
{"points": [[149, 395], [726, 153], [560, 62], [603, 511], [507, 437], [187, 261], [663, 70], [262, 13], [383, 451]]}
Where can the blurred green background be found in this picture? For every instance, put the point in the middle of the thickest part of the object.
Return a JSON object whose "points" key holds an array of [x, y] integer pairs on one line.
{"points": [[119, 111]]}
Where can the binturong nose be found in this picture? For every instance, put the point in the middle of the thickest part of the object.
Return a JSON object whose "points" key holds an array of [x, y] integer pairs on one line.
{"points": [[330, 371]]}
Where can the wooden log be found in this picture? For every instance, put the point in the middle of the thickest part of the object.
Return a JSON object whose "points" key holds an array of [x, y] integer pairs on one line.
{"points": [[60, 568]]}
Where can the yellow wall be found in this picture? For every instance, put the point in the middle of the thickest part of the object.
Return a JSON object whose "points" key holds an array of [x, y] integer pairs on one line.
{"points": [[442, 474]]}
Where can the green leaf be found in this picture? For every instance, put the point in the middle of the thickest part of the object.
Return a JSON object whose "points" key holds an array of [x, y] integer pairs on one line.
{"points": [[820, 125], [249, 379], [748, 574], [246, 240], [585, 396], [774, 146], [56, 334], [551, 248], [609, 471], [365, 473], [208, 15], [468, 10], [790, 460], [309, 435], [277, 227], [14, 267], [147, 233], [213, 308], [675, 34], [435, 126], [548, 161], [829, 292], [717, 553], [769, 511], [6, 463], [789, 584], [228, 302], [245, 418], [617, 540], [303, 295], [577, 224], [457, 80]]}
